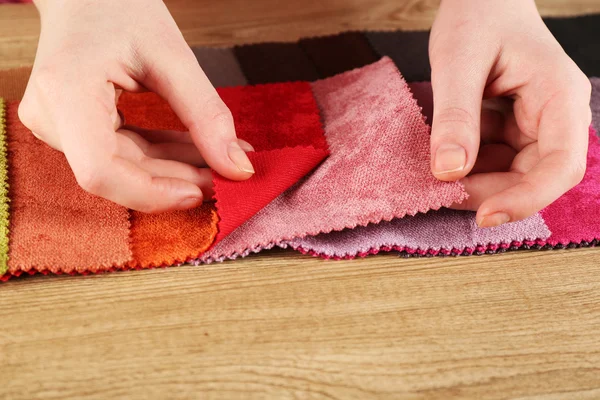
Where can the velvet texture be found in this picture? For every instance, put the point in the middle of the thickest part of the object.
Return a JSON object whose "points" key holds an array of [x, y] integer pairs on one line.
{"points": [[54, 224], [57, 227], [281, 121], [437, 232], [378, 168], [275, 121], [574, 218]]}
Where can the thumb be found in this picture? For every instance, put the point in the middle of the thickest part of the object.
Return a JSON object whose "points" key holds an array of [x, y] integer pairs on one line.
{"points": [[459, 72], [196, 102]]}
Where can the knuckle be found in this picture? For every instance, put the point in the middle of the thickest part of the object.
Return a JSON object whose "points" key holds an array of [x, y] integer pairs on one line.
{"points": [[449, 117], [217, 112], [577, 172], [44, 81], [89, 179]]}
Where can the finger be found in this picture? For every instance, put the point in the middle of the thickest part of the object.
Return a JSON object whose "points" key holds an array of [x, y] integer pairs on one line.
{"points": [[460, 69], [170, 145], [195, 101], [91, 148], [562, 148], [183, 152], [484, 185], [201, 177], [502, 127]]}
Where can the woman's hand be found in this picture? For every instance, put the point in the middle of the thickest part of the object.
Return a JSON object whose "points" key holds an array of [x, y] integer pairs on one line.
{"points": [[91, 50], [519, 153]]}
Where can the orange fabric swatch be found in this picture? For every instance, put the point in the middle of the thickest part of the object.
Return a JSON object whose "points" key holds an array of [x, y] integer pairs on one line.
{"points": [[55, 225], [172, 238]]}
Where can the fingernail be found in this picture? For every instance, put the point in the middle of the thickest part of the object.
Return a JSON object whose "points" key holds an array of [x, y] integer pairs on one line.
{"points": [[496, 219], [189, 202], [239, 158], [450, 157], [245, 145]]}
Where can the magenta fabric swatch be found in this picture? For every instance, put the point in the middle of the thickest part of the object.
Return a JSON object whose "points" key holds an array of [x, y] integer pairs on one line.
{"points": [[575, 217], [437, 232], [378, 168]]}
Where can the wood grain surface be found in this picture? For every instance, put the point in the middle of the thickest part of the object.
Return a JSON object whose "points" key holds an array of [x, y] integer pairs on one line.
{"points": [[522, 325], [229, 22]]}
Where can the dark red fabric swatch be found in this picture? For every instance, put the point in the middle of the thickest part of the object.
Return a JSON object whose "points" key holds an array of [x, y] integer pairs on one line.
{"points": [[275, 62], [333, 55]]}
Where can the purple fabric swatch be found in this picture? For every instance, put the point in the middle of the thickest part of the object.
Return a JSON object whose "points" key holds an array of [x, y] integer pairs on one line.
{"points": [[595, 103], [444, 231]]}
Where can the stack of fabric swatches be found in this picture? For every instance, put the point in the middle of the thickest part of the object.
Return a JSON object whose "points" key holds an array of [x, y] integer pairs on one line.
{"points": [[342, 170]]}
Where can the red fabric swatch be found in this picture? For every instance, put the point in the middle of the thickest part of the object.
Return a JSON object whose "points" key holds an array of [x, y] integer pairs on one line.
{"points": [[281, 121], [239, 201]]}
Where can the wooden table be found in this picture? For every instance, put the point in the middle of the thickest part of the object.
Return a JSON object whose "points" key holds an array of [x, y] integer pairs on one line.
{"points": [[282, 325]]}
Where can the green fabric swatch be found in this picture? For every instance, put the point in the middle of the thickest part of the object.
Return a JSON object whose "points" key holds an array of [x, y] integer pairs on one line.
{"points": [[4, 214]]}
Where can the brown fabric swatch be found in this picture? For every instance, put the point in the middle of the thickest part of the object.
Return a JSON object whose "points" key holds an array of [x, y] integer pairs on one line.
{"points": [[333, 55], [275, 62], [220, 66]]}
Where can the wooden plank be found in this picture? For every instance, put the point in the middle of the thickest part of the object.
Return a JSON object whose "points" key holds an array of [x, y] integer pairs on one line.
{"points": [[286, 326]]}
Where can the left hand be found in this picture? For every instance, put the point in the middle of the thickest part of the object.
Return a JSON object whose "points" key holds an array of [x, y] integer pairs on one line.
{"points": [[528, 146]]}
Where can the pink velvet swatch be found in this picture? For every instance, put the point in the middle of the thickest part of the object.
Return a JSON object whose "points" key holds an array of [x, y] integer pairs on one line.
{"points": [[378, 168], [575, 217]]}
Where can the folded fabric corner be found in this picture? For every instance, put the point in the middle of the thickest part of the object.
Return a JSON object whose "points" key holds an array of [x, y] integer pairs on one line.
{"points": [[283, 124], [378, 168]]}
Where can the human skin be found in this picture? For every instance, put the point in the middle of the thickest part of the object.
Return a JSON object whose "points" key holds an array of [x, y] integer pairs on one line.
{"points": [[515, 157], [529, 145]]}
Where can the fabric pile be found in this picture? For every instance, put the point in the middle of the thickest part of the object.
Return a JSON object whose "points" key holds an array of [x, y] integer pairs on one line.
{"points": [[342, 170]]}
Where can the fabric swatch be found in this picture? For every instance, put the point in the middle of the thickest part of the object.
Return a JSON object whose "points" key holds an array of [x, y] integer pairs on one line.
{"points": [[378, 168], [595, 103], [442, 232], [579, 38], [275, 62], [54, 224], [573, 218], [336, 54], [220, 66], [283, 124], [4, 199], [173, 238], [408, 49]]}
